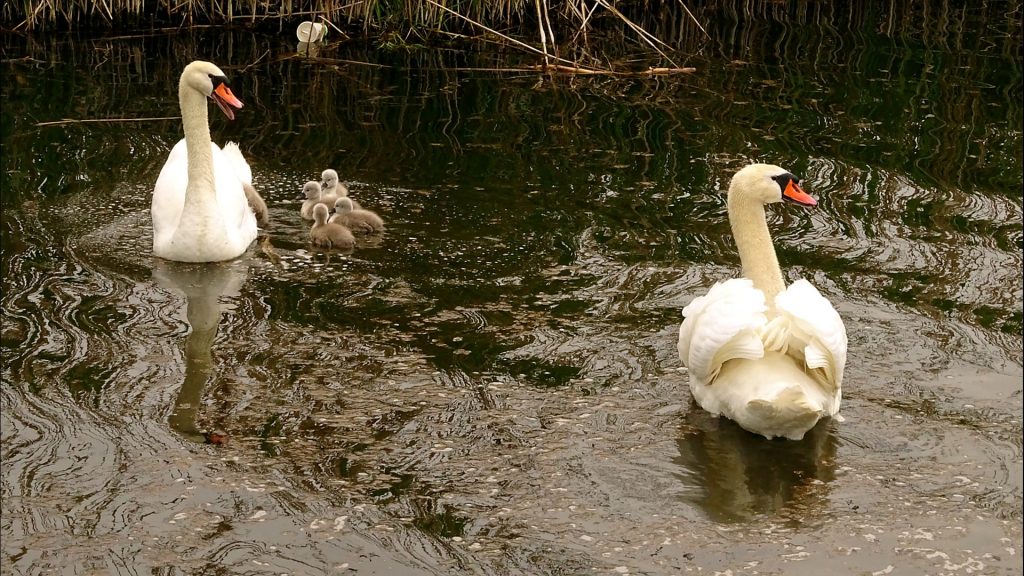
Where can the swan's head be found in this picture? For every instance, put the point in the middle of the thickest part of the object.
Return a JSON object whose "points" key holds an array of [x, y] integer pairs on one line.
{"points": [[767, 183], [329, 179], [343, 205], [207, 79], [320, 213], [311, 190]]}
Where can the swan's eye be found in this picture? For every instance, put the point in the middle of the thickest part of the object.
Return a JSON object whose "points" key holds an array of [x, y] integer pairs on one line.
{"points": [[784, 179], [219, 80]]}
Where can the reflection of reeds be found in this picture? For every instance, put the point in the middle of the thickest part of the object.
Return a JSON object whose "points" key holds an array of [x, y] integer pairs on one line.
{"points": [[915, 102]]}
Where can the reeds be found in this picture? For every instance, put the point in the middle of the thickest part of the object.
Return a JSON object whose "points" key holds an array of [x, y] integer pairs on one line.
{"points": [[31, 15], [820, 46], [558, 31]]}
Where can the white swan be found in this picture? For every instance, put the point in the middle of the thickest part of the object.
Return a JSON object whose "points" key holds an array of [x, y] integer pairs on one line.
{"points": [[200, 209], [769, 357]]}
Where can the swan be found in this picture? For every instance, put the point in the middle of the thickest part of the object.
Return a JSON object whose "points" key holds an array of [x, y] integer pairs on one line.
{"points": [[200, 210], [312, 194], [329, 235], [767, 356], [359, 221], [333, 188]]}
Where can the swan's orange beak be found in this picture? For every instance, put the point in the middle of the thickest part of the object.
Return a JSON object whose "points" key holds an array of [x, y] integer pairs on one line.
{"points": [[796, 194], [225, 99]]}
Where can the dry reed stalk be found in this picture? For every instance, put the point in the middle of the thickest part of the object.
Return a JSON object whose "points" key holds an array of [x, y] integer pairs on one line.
{"points": [[254, 62], [584, 20], [492, 31], [551, 31], [323, 60], [590, 71], [644, 35], [96, 120], [339, 9], [692, 17], [496, 33], [540, 26]]}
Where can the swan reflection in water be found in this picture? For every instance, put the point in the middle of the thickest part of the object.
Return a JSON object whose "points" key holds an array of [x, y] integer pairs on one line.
{"points": [[206, 288], [735, 476]]}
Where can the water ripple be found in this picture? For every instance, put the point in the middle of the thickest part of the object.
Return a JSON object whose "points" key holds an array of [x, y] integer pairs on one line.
{"points": [[492, 386]]}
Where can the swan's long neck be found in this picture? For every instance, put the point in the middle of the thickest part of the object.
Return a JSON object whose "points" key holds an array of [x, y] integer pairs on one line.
{"points": [[754, 242], [196, 123]]}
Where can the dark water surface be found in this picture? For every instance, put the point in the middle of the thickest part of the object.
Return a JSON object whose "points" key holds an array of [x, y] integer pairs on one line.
{"points": [[493, 387]]}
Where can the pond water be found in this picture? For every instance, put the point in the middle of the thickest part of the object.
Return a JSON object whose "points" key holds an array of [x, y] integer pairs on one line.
{"points": [[493, 386]]}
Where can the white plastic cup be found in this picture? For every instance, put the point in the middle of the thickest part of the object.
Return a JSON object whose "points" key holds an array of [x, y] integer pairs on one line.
{"points": [[311, 31]]}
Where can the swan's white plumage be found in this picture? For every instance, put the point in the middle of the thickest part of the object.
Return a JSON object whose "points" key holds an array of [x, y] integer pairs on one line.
{"points": [[192, 241], [816, 323], [256, 203], [775, 368], [720, 326], [242, 169], [213, 221]]}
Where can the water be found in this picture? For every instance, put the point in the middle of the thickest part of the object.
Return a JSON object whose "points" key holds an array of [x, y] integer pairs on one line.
{"points": [[493, 387]]}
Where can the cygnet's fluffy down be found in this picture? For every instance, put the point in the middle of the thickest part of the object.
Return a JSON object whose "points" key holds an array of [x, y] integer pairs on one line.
{"points": [[311, 195], [333, 188], [329, 235], [357, 220]]}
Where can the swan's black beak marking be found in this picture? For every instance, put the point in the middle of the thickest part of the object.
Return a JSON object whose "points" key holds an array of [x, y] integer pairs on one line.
{"points": [[792, 191]]}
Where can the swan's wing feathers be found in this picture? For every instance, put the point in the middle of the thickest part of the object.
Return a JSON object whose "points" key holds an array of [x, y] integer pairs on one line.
{"points": [[169, 190], [231, 196], [234, 154], [815, 321], [720, 326], [817, 356], [745, 344]]}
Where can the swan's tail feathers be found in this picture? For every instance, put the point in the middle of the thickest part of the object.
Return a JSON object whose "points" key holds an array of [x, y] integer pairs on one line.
{"points": [[790, 414], [776, 334]]}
